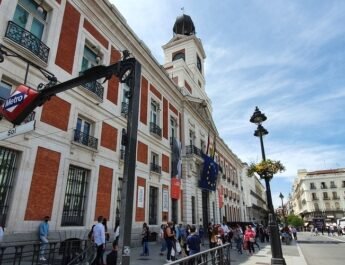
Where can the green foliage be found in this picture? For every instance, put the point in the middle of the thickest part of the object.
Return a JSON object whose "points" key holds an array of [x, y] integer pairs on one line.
{"points": [[265, 169], [295, 220]]}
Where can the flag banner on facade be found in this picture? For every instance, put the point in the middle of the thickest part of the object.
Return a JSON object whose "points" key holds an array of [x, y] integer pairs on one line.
{"points": [[208, 180], [175, 188], [176, 162], [220, 196]]}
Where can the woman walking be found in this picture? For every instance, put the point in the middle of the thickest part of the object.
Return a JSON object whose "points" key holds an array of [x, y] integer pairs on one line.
{"points": [[249, 239], [145, 240]]}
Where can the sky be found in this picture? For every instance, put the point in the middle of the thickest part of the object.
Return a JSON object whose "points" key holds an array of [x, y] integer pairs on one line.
{"points": [[286, 57]]}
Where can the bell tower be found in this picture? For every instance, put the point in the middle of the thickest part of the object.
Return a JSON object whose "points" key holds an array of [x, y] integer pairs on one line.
{"points": [[184, 58]]}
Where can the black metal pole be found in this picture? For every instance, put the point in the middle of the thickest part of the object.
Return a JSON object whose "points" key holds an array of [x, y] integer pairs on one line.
{"points": [[276, 247], [127, 193]]}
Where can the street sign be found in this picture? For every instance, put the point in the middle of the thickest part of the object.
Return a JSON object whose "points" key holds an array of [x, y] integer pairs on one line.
{"points": [[27, 127]]}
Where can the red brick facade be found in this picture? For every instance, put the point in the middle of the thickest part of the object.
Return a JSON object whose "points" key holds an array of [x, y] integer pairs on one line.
{"points": [[165, 163], [165, 118], [109, 136], [188, 86], [142, 153], [173, 109], [143, 100], [113, 83], [140, 212], [155, 92], [95, 33], [43, 184], [56, 113], [68, 38], [105, 183]]}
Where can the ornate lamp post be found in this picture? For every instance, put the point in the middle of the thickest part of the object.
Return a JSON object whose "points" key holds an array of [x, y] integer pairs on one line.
{"points": [[281, 196], [277, 254]]}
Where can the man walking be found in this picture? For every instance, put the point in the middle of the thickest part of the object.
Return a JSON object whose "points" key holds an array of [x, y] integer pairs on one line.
{"points": [[193, 243], [43, 235], [99, 239]]}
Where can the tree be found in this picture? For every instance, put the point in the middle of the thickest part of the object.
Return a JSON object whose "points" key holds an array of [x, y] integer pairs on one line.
{"points": [[295, 220]]}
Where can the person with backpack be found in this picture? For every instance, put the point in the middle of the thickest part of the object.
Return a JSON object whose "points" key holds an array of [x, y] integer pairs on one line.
{"points": [[145, 240]]}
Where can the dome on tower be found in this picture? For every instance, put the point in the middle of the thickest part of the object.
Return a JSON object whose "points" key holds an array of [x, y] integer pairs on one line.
{"points": [[184, 25]]}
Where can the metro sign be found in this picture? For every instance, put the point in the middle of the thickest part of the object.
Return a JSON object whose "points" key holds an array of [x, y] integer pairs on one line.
{"points": [[12, 102], [17, 102]]}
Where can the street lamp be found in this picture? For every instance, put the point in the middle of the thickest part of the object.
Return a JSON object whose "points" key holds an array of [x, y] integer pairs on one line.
{"points": [[277, 254], [281, 196]]}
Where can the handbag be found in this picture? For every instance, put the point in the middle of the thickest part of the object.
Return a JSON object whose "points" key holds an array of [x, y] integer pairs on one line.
{"points": [[172, 252], [178, 247]]}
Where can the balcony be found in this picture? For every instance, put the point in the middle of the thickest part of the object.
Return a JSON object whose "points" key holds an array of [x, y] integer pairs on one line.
{"points": [[333, 186], [312, 187], [85, 139], [155, 129], [335, 198], [95, 88], [193, 150], [124, 109], [27, 40], [155, 168], [323, 187], [326, 198], [315, 198]]}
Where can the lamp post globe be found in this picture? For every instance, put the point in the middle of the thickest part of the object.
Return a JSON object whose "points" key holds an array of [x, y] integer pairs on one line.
{"points": [[277, 255]]}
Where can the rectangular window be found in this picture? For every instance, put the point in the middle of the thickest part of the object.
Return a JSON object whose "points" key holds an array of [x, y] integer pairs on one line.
{"points": [[173, 129], [8, 159], [333, 185], [193, 210], [323, 185], [83, 133], [125, 100], [203, 146], [5, 90], [155, 167], [191, 137], [28, 17], [325, 195], [334, 195], [154, 113], [312, 186], [75, 197], [90, 59], [153, 205], [314, 196]]}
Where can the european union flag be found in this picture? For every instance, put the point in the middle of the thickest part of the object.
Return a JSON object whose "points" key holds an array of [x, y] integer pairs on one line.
{"points": [[209, 174]]}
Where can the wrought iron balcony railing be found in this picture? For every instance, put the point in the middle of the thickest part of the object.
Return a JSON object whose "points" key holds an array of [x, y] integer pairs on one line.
{"points": [[315, 199], [96, 88], [155, 168], [312, 187], [333, 186], [335, 198], [27, 40], [326, 198], [124, 109], [193, 150], [154, 128], [85, 139]]}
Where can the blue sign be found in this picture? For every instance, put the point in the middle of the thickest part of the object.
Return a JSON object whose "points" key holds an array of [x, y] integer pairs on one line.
{"points": [[16, 99]]}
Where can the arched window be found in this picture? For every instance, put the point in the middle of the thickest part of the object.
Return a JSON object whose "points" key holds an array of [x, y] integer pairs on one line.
{"points": [[179, 55]]}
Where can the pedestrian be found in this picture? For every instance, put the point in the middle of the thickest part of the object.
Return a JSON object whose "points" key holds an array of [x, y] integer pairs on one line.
{"points": [[117, 232], [193, 242], [2, 231], [249, 239], [145, 240], [162, 239], [43, 235], [209, 232], [104, 222], [112, 256], [201, 234], [99, 239], [255, 239], [214, 237], [169, 239], [238, 237], [294, 232]]}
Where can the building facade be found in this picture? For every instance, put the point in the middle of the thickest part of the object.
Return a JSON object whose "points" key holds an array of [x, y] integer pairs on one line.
{"points": [[319, 194], [70, 167], [255, 200]]}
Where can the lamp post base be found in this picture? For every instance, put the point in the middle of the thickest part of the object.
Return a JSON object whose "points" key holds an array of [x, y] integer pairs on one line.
{"points": [[276, 247], [278, 261]]}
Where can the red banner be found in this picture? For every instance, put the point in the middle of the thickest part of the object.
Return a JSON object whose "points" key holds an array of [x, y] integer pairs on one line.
{"points": [[220, 197], [175, 188]]}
